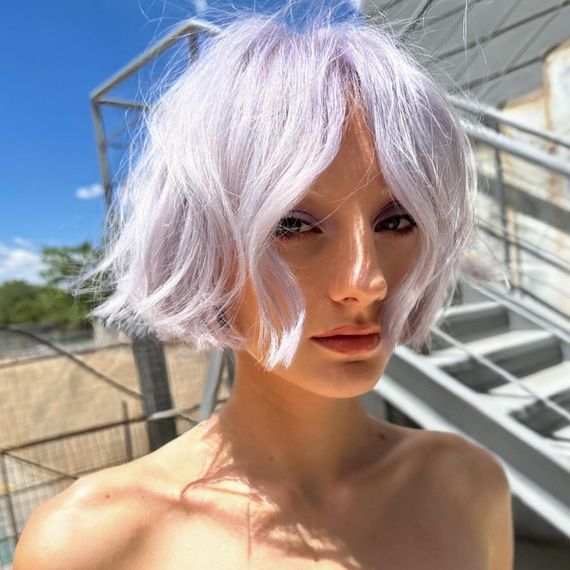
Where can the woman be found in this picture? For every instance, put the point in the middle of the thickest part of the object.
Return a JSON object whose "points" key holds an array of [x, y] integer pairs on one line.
{"points": [[291, 183]]}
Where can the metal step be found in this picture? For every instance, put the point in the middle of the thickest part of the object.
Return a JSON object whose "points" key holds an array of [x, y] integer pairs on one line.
{"points": [[562, 450], [506, 404], [544, 419], [519, 351], [474, 320], [546, 383], [562, 434]]}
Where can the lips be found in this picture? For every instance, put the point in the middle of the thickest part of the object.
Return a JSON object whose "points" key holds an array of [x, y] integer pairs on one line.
{"points": [[351, 330], [350, 344]]}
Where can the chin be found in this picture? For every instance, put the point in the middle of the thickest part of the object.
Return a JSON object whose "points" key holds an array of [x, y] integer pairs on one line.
{"points": [[352, 379]]}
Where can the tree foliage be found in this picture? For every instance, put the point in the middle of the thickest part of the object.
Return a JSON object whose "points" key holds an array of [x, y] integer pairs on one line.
{"points": [[53, 302]]}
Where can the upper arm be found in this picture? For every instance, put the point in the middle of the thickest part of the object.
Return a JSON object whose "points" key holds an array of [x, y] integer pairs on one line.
{"points": [[485, 487], [74, 530]]}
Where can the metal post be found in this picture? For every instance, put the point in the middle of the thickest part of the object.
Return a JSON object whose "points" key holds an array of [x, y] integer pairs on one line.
{"points": [[128, 441], [212, 384], [231, 367], [500, 190], [153, 380], [8, 495], [193, 46], [102, 152]]}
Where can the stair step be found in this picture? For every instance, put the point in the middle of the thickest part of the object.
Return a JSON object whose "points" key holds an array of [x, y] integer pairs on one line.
{"points": [[511, 341], [506, 404], [473, 295], [563, 434], [562, 450], [470, 308], [473, 321], [546, 383], [559, 443]]}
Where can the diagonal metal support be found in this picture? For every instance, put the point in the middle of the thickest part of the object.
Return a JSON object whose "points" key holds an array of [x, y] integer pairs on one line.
{"points": [[218, 359]]}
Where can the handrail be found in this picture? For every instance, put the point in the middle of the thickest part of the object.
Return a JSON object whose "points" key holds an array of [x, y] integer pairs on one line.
{"points": [[517, 148], [528, 294], [477, 131], [190, 28], [479, 108], [477, 41], [192, 25], [507, 235], [56, 347], [410, 26], [558, 330], [487, 363]]}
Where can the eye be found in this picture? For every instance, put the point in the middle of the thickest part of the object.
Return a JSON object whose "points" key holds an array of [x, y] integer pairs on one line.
{"points": [[288, 227], [394, 223], [400, 225]]}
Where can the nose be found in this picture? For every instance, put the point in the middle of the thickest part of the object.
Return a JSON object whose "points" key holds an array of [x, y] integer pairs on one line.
{"points": [[357, 273]]}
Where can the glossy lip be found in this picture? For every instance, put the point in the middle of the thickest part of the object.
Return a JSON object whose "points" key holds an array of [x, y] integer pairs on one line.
{"points": [[350, 330], [350, 344]]}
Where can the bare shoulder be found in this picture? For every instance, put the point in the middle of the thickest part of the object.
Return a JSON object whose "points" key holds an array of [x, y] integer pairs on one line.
{"points": [[475, 483], [91, 525], [454, 470], [468, 461]]}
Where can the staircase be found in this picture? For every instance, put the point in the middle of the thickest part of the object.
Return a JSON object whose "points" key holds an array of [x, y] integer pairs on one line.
{"points": [[494, 371], [498, 372]]}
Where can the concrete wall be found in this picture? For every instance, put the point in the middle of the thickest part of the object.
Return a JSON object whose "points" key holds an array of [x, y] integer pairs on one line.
{"points": [[547, 109]]}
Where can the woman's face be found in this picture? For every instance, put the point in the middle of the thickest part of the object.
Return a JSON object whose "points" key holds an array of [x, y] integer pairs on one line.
{"points": [[349, 246]]}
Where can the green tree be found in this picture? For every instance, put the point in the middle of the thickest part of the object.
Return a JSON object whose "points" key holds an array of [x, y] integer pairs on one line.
{"points": [[54, 302], [14, 294], [64, 264], [22, 302]]}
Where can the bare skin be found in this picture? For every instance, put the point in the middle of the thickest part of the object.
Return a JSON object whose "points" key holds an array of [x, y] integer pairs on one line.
{"points": [[292, 473], [188, 505]]}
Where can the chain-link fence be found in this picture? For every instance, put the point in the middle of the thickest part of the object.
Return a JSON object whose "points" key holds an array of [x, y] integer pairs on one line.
{"points": [[74, 406]]}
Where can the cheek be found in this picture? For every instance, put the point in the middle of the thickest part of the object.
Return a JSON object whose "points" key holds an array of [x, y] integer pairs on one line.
{"points": [[398, 258]]}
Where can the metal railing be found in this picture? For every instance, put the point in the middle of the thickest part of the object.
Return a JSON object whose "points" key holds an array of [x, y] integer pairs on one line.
{"points": [[491, 48], [503, 162], [188, 32], [484, 124], [71, 409], [113, 138], [32, 471]]}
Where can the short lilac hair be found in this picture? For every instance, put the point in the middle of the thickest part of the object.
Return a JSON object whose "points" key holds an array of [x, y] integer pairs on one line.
{"points": [[235, 142]]}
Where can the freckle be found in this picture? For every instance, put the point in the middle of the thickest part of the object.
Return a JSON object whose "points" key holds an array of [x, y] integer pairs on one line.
{"points": [[381, 436], [271, 457], [107, 495]]}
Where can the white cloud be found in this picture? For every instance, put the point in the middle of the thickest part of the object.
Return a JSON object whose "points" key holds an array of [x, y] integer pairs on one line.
{"points": [[23, 242], [20, 262], [200, 6], [89, 192]]}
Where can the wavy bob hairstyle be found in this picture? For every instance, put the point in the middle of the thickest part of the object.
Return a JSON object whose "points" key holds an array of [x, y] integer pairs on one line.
{"points": [[235, 142]]}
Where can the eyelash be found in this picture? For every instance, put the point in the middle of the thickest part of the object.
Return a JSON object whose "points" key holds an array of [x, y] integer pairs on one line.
{"points": [[287, 235]]}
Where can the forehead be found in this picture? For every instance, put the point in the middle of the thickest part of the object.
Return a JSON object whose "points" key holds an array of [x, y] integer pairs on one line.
{"points": [[354, 167]]}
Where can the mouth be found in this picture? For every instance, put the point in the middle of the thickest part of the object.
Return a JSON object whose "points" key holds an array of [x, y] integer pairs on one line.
{"points": [[350, 344]]}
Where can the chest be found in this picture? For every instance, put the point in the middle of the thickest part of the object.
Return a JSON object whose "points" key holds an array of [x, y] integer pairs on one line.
{"points": [[405, 533]]}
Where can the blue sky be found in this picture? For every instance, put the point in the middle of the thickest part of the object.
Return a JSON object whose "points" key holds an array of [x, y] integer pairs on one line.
{"points": [[52, 55]]}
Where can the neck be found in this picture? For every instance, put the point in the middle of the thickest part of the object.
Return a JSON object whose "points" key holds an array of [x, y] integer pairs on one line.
{"points": [[283, 433]]}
